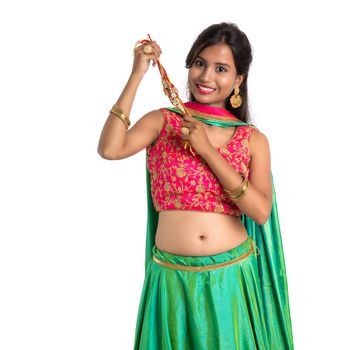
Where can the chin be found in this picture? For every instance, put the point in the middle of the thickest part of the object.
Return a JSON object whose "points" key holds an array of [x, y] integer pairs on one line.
{"points": [[207, 101]]}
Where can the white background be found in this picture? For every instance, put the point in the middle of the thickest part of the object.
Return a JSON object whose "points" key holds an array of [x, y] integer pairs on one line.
{"points": [[73, 224]]}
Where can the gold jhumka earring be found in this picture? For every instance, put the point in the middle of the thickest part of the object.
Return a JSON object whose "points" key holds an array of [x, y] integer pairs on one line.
{"points": [[236, 100]]}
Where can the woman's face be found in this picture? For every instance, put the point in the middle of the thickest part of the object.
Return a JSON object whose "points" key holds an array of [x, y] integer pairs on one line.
{"points": [[212, 77]]}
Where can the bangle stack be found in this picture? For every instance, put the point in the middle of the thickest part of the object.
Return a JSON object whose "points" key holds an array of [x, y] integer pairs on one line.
{"points": [[118, 112], [240, 191]]}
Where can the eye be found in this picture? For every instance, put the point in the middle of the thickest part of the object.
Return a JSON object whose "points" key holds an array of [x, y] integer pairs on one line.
{"points": [[199, 63], [222, 69]]}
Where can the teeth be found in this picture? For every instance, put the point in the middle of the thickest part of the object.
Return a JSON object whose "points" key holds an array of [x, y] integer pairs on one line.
{"points": [[205, 88]]}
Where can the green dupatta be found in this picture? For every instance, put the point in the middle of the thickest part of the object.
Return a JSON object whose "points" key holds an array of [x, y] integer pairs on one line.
{"points": [[271, 263]]}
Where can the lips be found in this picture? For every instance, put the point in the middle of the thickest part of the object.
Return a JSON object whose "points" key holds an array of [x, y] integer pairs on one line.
{"points": [[203, 89]]}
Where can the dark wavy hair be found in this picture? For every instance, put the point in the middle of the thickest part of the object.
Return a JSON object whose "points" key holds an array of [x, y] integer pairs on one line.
{"points": [[229, 34]]}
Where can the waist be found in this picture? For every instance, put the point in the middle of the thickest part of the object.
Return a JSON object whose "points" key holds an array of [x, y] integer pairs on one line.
{"points": [[208, 262], [198, 233], [198, 218]]}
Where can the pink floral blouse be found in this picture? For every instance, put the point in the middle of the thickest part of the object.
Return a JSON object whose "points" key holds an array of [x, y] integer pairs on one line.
{"points": [[184, 182]]}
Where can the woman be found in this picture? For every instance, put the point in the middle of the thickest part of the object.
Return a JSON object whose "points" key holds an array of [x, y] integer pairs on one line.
{"points": [[206, 286]]}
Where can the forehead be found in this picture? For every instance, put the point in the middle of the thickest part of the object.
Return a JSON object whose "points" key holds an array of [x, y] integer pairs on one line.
{"points": [[217, 53]]}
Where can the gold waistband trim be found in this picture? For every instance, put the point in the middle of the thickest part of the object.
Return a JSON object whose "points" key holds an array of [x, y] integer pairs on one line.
{"points": [[205, 267]]}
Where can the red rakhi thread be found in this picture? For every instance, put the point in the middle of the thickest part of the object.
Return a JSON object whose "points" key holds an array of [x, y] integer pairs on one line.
{"points": [[170, 91]]}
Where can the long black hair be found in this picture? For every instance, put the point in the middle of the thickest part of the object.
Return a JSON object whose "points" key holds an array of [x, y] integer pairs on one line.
{"points": [[229, 34]]}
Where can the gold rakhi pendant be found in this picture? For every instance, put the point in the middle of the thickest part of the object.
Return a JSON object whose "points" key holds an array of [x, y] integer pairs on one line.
{"points": [[185, 144]]}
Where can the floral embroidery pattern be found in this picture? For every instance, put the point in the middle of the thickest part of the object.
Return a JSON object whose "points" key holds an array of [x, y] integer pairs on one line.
{"points": [[181, 181]]}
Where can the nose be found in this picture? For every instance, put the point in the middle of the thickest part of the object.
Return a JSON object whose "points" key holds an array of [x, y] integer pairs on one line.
{"points": [[206, 75]]}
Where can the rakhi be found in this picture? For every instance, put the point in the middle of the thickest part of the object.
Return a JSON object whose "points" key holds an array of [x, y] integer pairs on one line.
{"points": [[170, 91]]}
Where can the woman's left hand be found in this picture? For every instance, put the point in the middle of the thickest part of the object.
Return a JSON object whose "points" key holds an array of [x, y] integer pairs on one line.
{"points": [[197, 136]]}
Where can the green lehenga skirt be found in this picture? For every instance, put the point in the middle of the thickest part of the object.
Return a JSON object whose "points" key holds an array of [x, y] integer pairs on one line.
{"points": [[202, 302]]}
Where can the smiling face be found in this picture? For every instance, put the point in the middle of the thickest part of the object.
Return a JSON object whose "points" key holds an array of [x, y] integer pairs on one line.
{"points": [[212, 76]]}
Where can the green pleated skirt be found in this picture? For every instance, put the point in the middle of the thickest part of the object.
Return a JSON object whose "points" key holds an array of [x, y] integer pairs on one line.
{"points": [[209, 302]]}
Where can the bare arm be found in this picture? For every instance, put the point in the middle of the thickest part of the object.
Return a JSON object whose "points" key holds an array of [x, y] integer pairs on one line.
{"points": [[114, 134], [257, 201]]}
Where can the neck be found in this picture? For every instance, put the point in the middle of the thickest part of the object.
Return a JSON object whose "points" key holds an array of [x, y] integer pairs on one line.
{"points": [[207, 108]]}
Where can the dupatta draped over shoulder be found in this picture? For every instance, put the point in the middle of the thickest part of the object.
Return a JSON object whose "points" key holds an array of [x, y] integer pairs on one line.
{"points": [[271, 263]]}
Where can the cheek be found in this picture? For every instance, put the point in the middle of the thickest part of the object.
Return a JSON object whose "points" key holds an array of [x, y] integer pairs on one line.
{"points": [[192, 74], [226, 83]]}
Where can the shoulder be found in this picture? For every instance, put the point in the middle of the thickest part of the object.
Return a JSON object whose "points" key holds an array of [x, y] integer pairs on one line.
{"points": [[154, 114], [259, 143], [161, 117], [156, 119], [162, 113]]}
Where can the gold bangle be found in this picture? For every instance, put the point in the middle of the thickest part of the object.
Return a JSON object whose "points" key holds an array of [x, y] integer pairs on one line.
{"points": [[118, 112], [240, 191], [125, 123], [240, 195], [118, 109], [239, 188]]}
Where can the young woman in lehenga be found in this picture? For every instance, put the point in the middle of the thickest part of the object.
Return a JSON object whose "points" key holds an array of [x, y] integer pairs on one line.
{"points": [[215, 274]]}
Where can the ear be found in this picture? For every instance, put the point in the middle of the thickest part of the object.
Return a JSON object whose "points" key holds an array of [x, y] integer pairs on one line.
{"points": [[239, 80]]}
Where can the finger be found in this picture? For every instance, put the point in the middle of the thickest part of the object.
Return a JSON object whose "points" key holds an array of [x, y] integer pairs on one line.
{"points": [[188, 122], [139, 50], [188, 117], [150, 56], [155, 47], [154, 56], [155, 60], [157, 54], [185, 137], [157, 51], [154, 43]]}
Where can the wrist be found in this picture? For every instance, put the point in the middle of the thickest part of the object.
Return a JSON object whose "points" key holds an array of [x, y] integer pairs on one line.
{"points": [[136, 76], [208, 152]]}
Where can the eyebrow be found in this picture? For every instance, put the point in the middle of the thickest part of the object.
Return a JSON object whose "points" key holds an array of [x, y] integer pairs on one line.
{"points": [[222, 64]]}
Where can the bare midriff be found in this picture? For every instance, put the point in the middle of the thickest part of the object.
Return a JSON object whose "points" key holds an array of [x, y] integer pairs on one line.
{"points": [[196, 233]]}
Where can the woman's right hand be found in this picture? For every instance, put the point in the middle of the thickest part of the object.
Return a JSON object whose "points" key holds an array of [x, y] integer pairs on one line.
{"points": [[142, 60]]}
